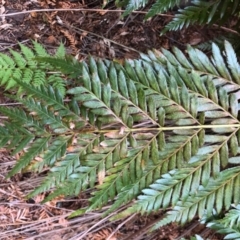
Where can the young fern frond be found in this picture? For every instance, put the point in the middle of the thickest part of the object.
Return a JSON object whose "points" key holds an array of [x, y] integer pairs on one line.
{"points": [[24, 67], [164, 129]]}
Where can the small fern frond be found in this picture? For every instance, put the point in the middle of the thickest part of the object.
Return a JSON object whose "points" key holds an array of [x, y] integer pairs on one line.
{"points": [[230, 233], [24, 67], [188, 16], [228, 225], [28, 54], [202, 12], [19, 60], [15, 138], [39, 49], [219, 40], [56, 81], [232, 218]]}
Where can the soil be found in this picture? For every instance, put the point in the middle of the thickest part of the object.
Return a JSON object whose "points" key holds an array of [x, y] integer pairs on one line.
{"points": [[103, 34]]}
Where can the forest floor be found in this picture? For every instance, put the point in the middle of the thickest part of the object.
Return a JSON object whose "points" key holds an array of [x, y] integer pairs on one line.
{"points": [[104, 34]]}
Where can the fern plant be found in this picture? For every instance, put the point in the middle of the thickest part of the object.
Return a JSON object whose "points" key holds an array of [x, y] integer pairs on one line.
{"points": [[227, 225], [202, 12], [163, 129], [24, 67]]}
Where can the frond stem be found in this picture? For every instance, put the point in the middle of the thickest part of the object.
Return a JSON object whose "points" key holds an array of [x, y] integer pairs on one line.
{"points": [[169, 128]]}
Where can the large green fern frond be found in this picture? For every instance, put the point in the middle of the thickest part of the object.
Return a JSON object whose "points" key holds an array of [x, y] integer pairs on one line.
{"points": [[163, 129]]}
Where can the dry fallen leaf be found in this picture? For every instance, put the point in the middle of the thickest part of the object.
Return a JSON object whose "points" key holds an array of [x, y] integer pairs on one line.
{"points": [[101, 176], [51, 40], [113, 134]]}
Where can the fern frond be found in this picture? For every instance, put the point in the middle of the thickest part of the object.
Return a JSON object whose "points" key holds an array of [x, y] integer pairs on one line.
{"points": [[24, 67], [163, 128], [20, 117], [232, 218], [202, 12], [162, 6], [53, 99], [228, 225], [218, 73], [61, 52], [180, 184], [219, 40], [39, 49], [57, 82], [159, 160], [229, 233], [156, 197]]}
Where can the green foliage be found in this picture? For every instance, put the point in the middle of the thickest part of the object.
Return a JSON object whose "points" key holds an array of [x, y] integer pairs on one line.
{"points": [[200, 12], [228, 225], [163, 129], [24, 67]]}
